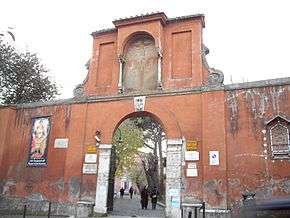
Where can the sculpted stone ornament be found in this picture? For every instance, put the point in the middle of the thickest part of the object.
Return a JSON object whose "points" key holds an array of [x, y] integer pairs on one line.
{"points": [[215, 77], [78, 91]]}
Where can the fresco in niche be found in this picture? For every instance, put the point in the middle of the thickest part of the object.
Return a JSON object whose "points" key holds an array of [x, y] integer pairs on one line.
{"points": [[38, 143], [140, 67]]}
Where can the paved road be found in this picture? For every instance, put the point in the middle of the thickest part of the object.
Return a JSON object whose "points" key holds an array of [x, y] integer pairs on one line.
{"points": [[123, 208], [127, 207]]}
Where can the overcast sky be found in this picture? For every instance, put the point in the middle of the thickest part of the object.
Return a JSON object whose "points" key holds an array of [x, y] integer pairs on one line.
{"points": [[248, 40]]}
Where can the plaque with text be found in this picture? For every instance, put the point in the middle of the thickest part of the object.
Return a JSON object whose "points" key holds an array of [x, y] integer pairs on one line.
{"points": [[191, 155], [61, 143], [89, 168], [191, 145], [91, 158]]}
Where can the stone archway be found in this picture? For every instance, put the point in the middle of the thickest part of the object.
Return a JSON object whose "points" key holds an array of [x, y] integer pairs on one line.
{"points": [[173, 169]]}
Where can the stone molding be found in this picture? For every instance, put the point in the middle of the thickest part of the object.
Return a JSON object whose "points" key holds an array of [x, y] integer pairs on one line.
{"points": [[156, 93]]}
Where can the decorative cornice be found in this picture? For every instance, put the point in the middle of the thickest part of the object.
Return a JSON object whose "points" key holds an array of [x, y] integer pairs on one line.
{"points": [[187, 17], [103, 31], [141, 18], [147, 17], [156, 93]]}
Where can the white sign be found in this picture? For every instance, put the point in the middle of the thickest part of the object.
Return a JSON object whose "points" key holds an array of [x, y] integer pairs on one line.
{"points": [[214, 158], [89, 168], [91, 158], [191, 155], [61, 143], [175, 201], [174, 192], [191, 172], [139, 103], [191, 165]]}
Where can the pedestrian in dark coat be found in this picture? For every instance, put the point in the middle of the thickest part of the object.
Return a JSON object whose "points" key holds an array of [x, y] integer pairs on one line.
{"points": [[131, 191], [144, 198], [122, 190], [153, 196]]}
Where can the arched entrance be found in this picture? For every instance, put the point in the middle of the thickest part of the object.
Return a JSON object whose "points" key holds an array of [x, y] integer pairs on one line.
{"points": [[173, 169]]}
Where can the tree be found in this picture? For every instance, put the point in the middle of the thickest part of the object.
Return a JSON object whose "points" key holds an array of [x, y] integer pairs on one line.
{"points": [[153, 136], [126, 141], [137, 175], [23, 78]]}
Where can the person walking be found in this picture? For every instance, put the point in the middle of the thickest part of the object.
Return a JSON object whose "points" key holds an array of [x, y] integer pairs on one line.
{"points": [[122, 190], [153, 196], [144, 198], [131, 191]]}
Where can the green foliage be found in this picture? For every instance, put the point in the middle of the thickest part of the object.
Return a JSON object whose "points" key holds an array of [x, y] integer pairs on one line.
{"points": [[137, 175], [23, 78], [127, 140]]}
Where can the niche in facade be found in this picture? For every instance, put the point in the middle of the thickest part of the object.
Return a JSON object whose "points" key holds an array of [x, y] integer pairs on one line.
{"points": [[140, 64], [278, 129]]}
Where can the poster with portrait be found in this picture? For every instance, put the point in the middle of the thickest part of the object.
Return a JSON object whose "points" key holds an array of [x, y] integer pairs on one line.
{"points": [[38, 142]]}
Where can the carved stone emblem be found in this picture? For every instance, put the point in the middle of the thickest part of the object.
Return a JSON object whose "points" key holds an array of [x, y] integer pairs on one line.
{"points": [[215, 77], [139, 103], [78, 91]]}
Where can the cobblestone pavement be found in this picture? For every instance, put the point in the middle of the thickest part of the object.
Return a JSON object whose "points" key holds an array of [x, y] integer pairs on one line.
{"points": [[127, 207]]}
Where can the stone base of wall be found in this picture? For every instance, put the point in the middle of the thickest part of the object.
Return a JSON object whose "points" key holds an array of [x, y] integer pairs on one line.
{"points": [[9, 205], [208, 213]]}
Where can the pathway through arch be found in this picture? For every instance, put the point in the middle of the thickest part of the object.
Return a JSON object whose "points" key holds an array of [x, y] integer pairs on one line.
{"points": [[127, 207]]}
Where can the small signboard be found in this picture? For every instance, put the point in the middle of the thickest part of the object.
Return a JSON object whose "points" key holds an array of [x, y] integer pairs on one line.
{"points": [[191, 165], [175, 201], [91, 158], [191, 172], [191, 155], [191, 145], [214, 158], [89, 168], [61, 143], [91, 149]]}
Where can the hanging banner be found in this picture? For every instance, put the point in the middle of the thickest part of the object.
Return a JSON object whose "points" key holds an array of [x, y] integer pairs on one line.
{"points": [[38, 142], [139, 103]]}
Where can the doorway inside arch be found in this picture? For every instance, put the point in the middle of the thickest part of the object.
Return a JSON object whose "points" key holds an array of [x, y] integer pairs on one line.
{"points": [[137, 168]]}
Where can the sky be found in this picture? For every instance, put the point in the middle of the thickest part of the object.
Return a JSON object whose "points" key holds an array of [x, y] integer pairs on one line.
{"points": [[248, 40]]}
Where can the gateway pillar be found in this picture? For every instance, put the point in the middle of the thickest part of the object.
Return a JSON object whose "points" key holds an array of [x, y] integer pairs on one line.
{"points": [[173, 178], [103, 179]]}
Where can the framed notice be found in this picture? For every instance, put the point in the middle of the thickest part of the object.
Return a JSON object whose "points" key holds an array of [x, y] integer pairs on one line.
{"points": [[61, 143], [89, 168], [191, 172], [191, 155], [214, 158], [38, 142], [91, 158]]}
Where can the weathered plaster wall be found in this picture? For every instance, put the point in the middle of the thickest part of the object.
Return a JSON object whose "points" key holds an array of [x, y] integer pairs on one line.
{"points": [[230, 122], [250, 166], [62, 179]]}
